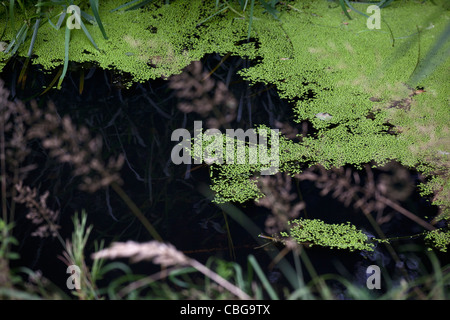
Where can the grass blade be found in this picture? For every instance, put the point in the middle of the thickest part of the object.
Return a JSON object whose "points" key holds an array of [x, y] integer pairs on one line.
{"points": [[383, 4], [254, 230], [230, 239], [438, 289], [433, 59], [211, 16], [52, 83], [52, 24], [66, 57], [11, 15], [88, 17], [139, 5], [23, 73], [273, 295], [239, 278], [88, 35], [33, 38], [18, 40], [124, 5], [6, 22], [49, 3], [270, 9], [344, 8], [15, 294], [94, 7], [243, 4], [252, 5], [60, 20], [351, 7]]}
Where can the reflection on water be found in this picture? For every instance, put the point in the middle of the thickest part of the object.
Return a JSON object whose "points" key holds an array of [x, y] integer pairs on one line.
{"points": [[138, 123]]}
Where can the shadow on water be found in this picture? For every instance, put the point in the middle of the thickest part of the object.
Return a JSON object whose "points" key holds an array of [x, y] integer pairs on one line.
{"points": [[138, 122]]}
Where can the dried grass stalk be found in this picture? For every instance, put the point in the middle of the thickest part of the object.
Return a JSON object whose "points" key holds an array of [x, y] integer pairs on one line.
{"points": [[39, 213], [164, 255], [157, 252], [20, 125]]}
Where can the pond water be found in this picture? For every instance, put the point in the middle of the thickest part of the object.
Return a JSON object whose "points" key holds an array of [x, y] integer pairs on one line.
{"points": [[138, 122]]}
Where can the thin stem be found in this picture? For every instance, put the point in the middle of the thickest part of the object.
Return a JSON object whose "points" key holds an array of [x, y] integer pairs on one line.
{"points": [[403, 237], [219, 280], [145, 282], [406, 213], [230, 239], [12, 209], [136, 211]]}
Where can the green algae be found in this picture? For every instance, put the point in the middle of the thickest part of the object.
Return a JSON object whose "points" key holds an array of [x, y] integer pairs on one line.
{"points": [[315, 232], [147, 44], [357, 77]]}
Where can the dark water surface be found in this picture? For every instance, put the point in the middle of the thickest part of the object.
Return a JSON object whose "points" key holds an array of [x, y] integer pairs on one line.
{"points": [[138, 122]]}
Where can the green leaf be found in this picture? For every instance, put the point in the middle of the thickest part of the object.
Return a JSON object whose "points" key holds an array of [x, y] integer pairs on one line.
{"points": [[139, 5], [211, 16], [273, 295], [173, 274], [344, 8], [270, 8], [33, 38], [242, 3], [351, 7], [88, 35], [66, 56], [49, 3], [61, 18], [18, 40], [94, 7], [13, 256], [252, 5], [11, 15], [384, 3], [124, 5]]}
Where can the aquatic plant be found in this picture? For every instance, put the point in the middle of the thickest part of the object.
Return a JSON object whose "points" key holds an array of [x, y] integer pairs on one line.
{"points": [[439, 238], [70, 16], [316, 232]]}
